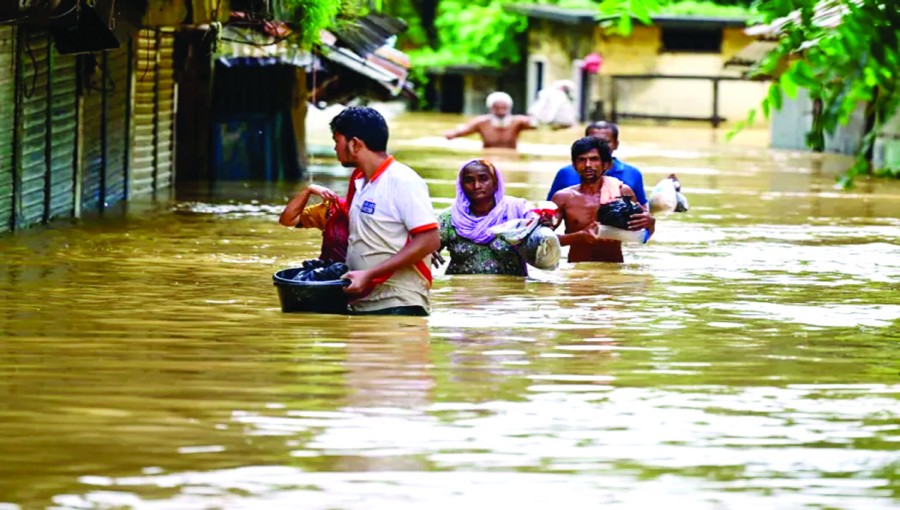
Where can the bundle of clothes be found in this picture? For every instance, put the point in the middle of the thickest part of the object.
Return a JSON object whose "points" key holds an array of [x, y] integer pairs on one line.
{"points": [[318, 270]]}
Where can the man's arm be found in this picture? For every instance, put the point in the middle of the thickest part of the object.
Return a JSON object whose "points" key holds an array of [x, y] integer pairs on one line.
{"points": [[420, 245], [467, 129], [527, 122], [642, 220], [626, 191], [559, 198], [581, 237], [291, 214]]}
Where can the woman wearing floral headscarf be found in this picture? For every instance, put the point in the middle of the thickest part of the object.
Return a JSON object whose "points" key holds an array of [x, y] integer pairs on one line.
{"points": [[480, 204]]}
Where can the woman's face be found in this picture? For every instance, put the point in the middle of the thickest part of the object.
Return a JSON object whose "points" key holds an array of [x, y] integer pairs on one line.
{"points": [[478, 183]]}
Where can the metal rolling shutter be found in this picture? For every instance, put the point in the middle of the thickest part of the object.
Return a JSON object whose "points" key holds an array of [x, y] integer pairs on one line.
{"points": [[118, 87], [34, 67], [7, 125], [165, 113], [92, 141], [63, 131], [143, 160]]}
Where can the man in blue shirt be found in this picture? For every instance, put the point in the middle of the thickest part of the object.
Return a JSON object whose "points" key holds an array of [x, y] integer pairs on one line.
{"points": [[567, 176]]}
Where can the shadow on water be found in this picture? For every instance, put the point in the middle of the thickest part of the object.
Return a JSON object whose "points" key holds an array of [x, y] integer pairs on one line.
{"points": [[746, 357]]}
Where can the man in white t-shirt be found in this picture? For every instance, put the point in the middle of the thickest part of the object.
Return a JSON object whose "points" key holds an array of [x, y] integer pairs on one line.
{"points": [[393, 228]]}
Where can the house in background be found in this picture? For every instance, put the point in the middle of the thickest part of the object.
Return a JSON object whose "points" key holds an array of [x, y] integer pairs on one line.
{"points": [[790, 124], [670, 70], [463, 88]]}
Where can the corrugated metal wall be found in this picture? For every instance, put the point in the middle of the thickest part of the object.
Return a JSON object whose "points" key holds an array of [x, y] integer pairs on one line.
{"points": [[165, 130], [92, 133], [153, 115], [63, 125], [118, 94], [85, 124], [34, 67], [143, 155], [106, 90], [7, 124]]}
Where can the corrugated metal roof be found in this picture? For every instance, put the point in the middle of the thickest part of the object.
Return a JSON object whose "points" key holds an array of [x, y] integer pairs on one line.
{"points": [[362, 49], [827, 14]]}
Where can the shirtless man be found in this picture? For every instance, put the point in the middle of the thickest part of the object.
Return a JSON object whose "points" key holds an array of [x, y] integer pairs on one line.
{"points": [[500, 128], [578, 204]]}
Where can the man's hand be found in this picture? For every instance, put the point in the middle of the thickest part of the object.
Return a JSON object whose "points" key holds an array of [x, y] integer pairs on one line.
{"points": [[587, 235], [323, 192], [436, 259], [360, 281], [641, 221]]}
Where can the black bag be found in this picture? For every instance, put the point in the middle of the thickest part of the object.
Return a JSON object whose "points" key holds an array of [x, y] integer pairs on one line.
{"points": [[618, 212]]}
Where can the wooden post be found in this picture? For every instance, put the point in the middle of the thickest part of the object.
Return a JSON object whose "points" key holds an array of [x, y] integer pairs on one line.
{"points": [[298, 117], [715, 103], [613, 115]]}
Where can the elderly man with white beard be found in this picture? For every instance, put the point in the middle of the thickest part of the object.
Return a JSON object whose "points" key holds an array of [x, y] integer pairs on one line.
{"points": [[498, 129]]}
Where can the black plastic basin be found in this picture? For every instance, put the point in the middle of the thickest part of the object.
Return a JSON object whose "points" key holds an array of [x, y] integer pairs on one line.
{"points": [[312, 297]]}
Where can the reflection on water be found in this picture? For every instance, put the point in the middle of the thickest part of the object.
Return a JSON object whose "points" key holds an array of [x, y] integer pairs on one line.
{"points": [[746, 358]]}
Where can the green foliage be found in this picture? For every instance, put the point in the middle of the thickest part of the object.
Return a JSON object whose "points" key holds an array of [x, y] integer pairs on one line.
{"points": [[843, 67], [619, 13], [473, 33], [310, 16], [702, 8]]}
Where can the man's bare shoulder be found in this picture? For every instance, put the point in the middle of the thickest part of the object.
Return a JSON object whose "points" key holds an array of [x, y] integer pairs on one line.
{"points": [[566, 194]]}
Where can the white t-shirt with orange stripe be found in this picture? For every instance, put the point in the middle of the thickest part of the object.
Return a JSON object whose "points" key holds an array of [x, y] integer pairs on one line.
{"points": [[384, 212]]}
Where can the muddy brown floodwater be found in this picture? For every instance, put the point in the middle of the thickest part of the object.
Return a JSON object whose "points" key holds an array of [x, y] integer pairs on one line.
{"points": [[747, 357]]}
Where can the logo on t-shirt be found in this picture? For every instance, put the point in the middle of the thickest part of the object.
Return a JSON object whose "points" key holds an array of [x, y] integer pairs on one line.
{"points": [[368, 207]]}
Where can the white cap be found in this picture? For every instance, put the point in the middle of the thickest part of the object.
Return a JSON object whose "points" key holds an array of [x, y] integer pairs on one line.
{"points": [[498, 97]]}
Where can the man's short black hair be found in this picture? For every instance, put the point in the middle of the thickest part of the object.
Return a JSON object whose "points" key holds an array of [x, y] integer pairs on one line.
{"points": [[586, 144], [364, 123], [602, 124]]}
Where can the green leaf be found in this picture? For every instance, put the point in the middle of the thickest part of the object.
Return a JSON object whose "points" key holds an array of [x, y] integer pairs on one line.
{"points": [[738, 127], [803, 75], [789, 85], [624, 25], [775, 96]]}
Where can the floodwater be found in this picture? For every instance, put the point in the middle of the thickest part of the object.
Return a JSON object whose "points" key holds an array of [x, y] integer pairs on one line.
{"points": [[748, 357]]}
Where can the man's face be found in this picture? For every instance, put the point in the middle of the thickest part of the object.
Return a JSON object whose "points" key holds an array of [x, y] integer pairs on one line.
{"points": [[605, 134], [500, 109], [345, 150], [589, 166]]}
